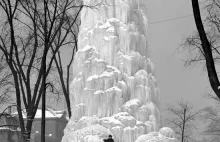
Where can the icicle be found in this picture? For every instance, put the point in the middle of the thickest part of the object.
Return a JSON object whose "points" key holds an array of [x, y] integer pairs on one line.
{"points": [[114, 90]]}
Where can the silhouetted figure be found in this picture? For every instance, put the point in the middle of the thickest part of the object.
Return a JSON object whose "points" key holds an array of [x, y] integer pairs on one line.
{"points": [[109, 139]]}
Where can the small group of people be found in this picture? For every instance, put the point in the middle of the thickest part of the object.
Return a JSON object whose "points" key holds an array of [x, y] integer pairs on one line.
{"points": [[109, 139]]}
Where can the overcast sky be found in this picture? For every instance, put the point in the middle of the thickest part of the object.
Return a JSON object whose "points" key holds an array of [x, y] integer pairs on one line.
{"points": [[175, 81]]}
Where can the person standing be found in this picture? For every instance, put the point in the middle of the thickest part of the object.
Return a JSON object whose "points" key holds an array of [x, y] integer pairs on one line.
{"points": [[109, 139]]}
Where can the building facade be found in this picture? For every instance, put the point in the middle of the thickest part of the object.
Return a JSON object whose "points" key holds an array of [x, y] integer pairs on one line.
{"points": [[9, 128], [54, 125]]}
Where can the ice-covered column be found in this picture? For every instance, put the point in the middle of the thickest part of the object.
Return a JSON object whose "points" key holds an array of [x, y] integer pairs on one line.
{"points": [[114, 90]]}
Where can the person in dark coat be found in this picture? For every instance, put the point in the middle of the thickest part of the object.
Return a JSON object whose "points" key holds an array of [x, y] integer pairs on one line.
{"points": [[109, 139]]}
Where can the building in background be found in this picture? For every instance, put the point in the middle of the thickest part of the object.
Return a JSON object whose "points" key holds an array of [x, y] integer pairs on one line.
{"points": [[9, 128], [55, 123]]}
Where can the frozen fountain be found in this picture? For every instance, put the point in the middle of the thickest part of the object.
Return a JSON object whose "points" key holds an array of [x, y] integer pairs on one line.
{"points": [[114, 90]]}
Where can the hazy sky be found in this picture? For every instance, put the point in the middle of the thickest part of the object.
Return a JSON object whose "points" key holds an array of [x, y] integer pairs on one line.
{"points": [[175, 81]]}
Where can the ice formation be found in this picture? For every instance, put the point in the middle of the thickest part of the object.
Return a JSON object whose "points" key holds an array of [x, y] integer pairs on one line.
{"points": [[114, 90]]}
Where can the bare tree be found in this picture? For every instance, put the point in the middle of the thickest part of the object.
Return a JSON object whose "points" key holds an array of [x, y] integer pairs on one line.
{"points": [[183, 120], [63, 67], [64, 76], [5, 83], [31, 28], [63, 70], [203, 45], [212, 117]]}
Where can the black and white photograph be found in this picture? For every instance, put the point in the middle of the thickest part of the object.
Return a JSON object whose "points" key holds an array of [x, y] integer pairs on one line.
{"points": [[109, 70]]}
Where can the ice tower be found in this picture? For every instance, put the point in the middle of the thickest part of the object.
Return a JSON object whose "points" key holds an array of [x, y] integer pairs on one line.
{"points": [[114, 90]]}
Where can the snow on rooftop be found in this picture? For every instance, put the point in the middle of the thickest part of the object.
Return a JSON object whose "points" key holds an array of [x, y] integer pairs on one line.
{"points": [[49, 113], [7, 128]]}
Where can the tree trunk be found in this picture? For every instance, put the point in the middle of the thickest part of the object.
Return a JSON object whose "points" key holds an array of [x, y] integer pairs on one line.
{"points": [[44, 65], [43, 109], [210, 65], [64, 86], [18, 100], [28, 129], [43, 118], [184, 123], [68, 107]]}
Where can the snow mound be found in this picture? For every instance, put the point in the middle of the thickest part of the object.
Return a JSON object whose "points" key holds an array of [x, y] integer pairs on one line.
{"points": [[167, 132], [155, 137], [86, 121], [93, 133]]}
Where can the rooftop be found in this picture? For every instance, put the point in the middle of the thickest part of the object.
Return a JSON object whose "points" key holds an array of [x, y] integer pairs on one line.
{"points": [[49, 113]]}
